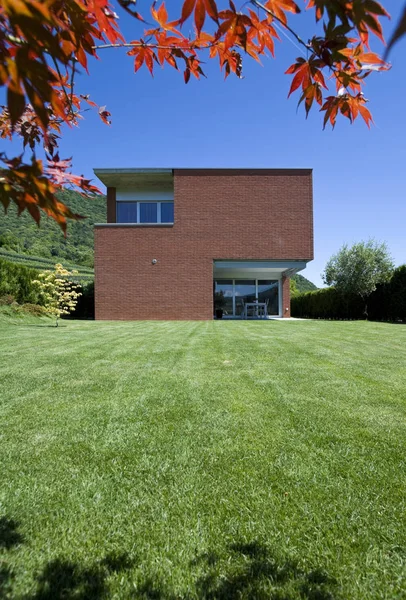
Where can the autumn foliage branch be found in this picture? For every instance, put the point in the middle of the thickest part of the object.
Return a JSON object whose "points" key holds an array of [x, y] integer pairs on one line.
{"points": [[43, 45]]}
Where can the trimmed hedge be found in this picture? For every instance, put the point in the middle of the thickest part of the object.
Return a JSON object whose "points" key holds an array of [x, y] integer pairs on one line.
{"points": [[16, 280], [327, 303], [387, 303], [85, 306]]}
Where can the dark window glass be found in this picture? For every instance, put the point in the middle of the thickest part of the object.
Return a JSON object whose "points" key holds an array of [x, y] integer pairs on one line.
{"points": [[148, 212], [167, 212], [126, 212], [268, 291], [223, 295], [245, 290]]}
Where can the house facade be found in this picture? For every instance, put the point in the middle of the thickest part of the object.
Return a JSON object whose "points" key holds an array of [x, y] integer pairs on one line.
{"points": [[176, 240]]}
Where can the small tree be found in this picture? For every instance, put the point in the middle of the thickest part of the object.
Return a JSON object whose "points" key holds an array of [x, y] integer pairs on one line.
{"points": [[59, 293], [359, 268]]}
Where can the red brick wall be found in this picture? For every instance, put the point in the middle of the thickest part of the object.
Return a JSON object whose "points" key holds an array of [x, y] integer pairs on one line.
{"points": [[285, 296], [111, 205], [225, 214]]}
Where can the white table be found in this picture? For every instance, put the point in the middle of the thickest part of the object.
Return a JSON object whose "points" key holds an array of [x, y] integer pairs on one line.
{"points": [[255, 305]]}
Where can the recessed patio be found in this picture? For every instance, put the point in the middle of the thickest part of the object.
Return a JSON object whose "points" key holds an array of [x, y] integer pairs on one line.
{"points": [[236, 283]]}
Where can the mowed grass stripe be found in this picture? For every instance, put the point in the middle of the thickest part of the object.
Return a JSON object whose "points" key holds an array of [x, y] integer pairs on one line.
{"points": [[208, 460]]}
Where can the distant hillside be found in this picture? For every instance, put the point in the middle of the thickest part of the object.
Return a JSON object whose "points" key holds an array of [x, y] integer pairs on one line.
{"points": [[303, 284], [85, 274], [23, 236]]}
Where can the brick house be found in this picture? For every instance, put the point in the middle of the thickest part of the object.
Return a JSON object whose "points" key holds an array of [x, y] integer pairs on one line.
{"points": [[178, 239]]}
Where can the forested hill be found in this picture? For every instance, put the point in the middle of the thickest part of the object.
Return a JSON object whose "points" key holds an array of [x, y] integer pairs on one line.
{"points": [[303, 284], [22, 235]]}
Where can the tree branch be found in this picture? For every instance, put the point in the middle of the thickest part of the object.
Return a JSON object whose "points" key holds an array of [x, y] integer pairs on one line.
{"points": [[285, 25], [153, 45], [63, 87], [129, 7], [72, 80]]}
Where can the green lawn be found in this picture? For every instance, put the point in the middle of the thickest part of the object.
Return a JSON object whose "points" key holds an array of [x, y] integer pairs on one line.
{"points": [[204, 460]]}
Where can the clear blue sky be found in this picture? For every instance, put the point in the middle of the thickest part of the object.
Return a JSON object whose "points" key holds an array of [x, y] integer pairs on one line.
{"points": [[359, 174]]}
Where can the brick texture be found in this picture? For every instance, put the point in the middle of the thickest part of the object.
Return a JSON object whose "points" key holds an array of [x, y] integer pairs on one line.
{"points": [[219, 214], [285, 297], [111, 205]]}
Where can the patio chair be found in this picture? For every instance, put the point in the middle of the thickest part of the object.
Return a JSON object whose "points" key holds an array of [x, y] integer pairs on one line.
{"points": [[243, 311], [252, 309], [264, 309]]}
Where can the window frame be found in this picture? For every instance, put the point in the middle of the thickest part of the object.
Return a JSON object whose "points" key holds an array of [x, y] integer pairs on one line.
{"points": [[236, 280], [138, 211]]}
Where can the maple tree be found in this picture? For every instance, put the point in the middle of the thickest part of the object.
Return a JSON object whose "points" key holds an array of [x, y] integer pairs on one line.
{"points": [[45, 43]]}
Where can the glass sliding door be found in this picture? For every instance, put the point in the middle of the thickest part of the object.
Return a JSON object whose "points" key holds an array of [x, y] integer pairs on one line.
{"points": [[268, 290], [224, 296], [229, 294], [244, 291]]}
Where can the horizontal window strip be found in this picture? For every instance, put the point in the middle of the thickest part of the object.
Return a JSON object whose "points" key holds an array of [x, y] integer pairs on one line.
{"points": [[145, 212]]}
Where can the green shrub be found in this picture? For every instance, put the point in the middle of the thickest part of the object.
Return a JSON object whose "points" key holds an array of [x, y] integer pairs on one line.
{"points": [[16, 280], [326, 303], [85, 306], [33, 309], [386, 303], [7, 299], [397, 291]]}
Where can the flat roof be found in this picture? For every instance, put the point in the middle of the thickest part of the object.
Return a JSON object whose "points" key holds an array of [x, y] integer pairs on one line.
{"points": [[128, 176], [109, 171], [125, 178]]}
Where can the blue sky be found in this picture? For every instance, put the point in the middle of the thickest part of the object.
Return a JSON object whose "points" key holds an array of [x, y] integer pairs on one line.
{"points": [[358, 174]]}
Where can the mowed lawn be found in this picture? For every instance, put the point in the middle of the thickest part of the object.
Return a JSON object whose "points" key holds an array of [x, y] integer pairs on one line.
{"points": [[261, 460]]}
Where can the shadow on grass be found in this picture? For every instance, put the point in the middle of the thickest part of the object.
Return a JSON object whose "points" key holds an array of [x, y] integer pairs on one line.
{"points": [[244, 572], [248, 573], [6, 577], [253, 574], [42, 326], [65, 580], [9, 535]]}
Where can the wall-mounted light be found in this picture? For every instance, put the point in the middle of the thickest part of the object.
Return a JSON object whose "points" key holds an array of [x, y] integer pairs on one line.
{"points": [[154, 261]]}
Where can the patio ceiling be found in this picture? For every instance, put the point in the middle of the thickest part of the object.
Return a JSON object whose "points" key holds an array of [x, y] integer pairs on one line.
{"points": [[250, 268], [136, 178]]}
